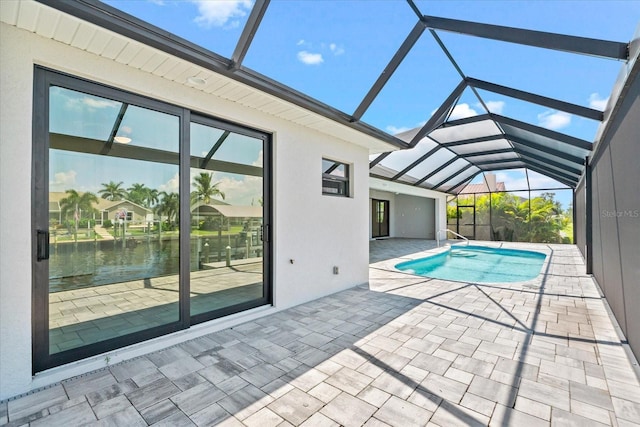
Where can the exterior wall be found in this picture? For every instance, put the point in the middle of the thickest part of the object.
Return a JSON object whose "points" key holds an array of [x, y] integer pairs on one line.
{"points": [[415, 212], [317, 232], [616, 212], [415, 217]]}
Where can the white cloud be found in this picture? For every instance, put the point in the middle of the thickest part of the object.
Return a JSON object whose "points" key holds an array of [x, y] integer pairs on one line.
{"points": [[99, 103], [393, 130], [554, 119], [462, 111], [221, 12], [310, 58], [495, 107], [63, 181], [157, 2], [300, 42], [239, 192], [337, 50], [172, 185], [596, 102]]}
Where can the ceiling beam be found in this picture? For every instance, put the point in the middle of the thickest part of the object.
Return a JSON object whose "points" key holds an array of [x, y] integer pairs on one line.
{"points": [[440, 115], [216, 146], [554, 41], [569, 140], [463, 184], [466, 120], [417, 162], [470, 140], [541, 159], [497, 161], [567, 107], [489, 152], [378, 159], [388, 71], [570, 183], [444, 181], [543, 167], [435, 171], [248, 32], [534, 168], [535, 146]]}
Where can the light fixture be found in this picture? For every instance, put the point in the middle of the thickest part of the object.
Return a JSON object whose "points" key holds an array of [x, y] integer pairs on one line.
{"points": [[198, 81], [122, 139]]}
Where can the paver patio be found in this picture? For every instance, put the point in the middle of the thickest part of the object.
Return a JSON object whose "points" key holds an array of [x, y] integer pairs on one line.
{"points": [[403, 351]]}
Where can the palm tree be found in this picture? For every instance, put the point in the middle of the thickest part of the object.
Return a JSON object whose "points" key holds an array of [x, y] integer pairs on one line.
{"points": [[113, 191], [169, 206], [136, 193], [78, 204], [205, 190], [150, 197]]}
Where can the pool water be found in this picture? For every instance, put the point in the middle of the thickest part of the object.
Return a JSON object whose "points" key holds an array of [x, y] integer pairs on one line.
{"points": [[478, 264]]}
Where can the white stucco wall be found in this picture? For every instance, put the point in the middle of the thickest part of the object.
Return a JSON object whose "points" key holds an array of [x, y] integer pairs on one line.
{"points": [[317, 232], [415, 212], [414, 217]]}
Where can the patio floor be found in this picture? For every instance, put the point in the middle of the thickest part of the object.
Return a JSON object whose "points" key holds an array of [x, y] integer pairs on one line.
{"points": [[404, 351]]}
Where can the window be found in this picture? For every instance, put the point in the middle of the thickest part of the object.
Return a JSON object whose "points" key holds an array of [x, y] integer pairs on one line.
{"points": [[335, 178]]}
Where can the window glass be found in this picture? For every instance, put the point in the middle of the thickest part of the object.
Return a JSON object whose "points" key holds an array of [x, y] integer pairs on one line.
{"points": [[113, 219], [335, 178]]}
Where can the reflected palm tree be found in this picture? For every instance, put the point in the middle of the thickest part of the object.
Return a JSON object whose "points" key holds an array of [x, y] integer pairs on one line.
{"points": [[136, 193], [142, 195], [205, 190], [113, 191], [151, 197], [77, 204], [169, 206]]}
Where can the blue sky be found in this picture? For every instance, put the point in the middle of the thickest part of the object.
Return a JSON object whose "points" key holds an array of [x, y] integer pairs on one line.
{"points": [[335, 50]]}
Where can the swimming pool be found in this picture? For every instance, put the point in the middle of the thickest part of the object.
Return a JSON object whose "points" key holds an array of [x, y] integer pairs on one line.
{"points": [[478, 264]]}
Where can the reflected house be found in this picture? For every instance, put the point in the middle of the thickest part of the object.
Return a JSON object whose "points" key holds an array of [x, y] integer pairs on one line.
{"points": [[135, 213], [223, 216], [105, 210]]}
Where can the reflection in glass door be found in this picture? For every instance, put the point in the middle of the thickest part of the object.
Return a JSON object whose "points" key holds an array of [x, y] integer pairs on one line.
{"points": [[112, 219], [115, 189], [226, 206]]}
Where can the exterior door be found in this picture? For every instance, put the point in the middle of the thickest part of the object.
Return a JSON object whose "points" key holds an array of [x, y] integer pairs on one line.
{"points": [[379, 218], [148, 219], [467, 221]]}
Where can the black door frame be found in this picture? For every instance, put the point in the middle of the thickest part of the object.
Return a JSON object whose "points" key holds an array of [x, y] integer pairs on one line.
{"points": [[387, 218], [45, 78]]}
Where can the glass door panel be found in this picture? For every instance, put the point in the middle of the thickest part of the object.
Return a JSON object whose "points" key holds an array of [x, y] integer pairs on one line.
{"points": [[113, 205], [380, 218], [227, 248]]}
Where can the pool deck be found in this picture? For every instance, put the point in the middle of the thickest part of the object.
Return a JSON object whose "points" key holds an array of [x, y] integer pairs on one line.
{"points": [[402, 351]]}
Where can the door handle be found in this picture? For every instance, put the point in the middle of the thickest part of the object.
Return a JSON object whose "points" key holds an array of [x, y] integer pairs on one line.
{"points": [[264, 233], [42, 250]]}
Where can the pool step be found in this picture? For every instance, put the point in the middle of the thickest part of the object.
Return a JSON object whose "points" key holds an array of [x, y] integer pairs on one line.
{"points": [[463, 253]]}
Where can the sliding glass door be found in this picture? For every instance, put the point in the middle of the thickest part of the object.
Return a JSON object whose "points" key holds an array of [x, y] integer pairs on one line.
{"points": [[147, 219], [227, 218]]}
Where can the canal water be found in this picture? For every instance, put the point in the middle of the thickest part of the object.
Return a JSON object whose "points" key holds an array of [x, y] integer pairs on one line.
{"points": [[86, 264]]}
